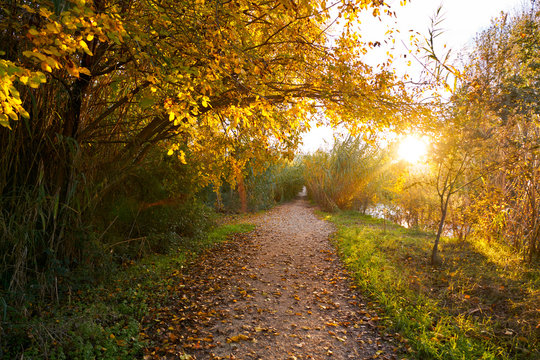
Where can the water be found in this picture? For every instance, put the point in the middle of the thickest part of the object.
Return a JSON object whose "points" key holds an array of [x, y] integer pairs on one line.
{"points": [[383, 211]]}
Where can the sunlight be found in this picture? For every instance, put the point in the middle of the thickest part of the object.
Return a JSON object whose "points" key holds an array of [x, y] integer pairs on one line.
{"points": [[412, 149]]}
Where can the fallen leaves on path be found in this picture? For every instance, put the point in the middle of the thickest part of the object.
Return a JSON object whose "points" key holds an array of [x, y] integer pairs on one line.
{"points": [[276, 293]]}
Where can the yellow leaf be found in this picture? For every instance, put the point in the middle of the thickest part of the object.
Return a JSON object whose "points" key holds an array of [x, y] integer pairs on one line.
{"points": [[170, 152], [35, 54], [171, 116], [53, 63], [85, 48], [182, 157], [85, 71], [237, 338], [29, 9], [24, 79], [52, 28], [45, 13], [90, 37], [73, 71], [37, 78], [12, 115], [4, 121], [205, 100], [45, 67], [33, 32]]}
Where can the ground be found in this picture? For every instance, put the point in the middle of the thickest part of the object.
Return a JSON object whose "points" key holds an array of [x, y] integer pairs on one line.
{"points": [[279, 292]]}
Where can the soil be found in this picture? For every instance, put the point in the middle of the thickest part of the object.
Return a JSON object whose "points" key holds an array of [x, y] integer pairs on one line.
{"points": [[279, 292]]}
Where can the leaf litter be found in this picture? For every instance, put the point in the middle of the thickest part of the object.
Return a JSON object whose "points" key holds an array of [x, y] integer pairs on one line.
{"points": [[279, 292]]}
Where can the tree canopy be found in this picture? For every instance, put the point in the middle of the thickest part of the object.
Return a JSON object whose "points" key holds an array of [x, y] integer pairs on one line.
{"points": [[205, 75]]}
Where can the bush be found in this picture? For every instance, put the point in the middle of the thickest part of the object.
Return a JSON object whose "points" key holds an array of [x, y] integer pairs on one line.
{"points": [[279, 182], [155, 210]]}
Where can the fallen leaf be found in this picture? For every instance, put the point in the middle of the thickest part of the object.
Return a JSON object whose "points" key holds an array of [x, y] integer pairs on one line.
{"points": [[237, 338]]}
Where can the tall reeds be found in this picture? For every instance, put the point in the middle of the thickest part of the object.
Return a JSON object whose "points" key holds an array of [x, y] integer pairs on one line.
{"points": [[345, 177]]}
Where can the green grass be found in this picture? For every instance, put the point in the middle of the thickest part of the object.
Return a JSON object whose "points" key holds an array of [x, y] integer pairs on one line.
{"points": [[482, 303], [104, 321]]}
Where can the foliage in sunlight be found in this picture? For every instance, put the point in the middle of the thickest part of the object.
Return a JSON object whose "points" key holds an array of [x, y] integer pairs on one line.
{"points": [[481, 172], [481, 305], [90, 90], [348, 176]]}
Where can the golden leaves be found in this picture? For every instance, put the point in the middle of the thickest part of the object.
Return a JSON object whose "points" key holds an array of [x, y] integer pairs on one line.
{"points": [[205, 101], [237, 338], [63, 35], [10, 101], [235, 91], [45, 67], [85, 48], [85, 71]]}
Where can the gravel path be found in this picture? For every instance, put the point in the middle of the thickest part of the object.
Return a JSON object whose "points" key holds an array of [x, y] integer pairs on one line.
{"points": [[279, 292]]}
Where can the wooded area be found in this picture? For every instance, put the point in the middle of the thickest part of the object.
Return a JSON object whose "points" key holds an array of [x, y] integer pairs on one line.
{"points": [[126, 126], [480, 173], [113, 108]]}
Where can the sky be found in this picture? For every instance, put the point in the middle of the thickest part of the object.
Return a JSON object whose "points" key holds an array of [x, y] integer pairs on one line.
{"points": [[462, 20]]}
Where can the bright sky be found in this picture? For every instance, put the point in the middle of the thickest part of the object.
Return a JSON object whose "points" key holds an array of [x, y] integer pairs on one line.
{"points": [[463, 19]]}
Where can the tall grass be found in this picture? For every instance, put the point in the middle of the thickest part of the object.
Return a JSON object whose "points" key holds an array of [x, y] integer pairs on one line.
{"points": [[347, 176], [39, 222]]}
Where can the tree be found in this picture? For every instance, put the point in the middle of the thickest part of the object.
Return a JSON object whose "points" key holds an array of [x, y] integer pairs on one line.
{"points": [[451, 161], [155, 70], [500, 94], [89, 88]]}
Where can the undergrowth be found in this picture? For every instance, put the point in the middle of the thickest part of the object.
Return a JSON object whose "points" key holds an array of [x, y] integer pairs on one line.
{"points": [[479, 304], [102, 321]]}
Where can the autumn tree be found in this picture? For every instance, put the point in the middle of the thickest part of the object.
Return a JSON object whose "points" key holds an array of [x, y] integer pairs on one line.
{"points": [[89, 88], [164, 69], [501, 96]]}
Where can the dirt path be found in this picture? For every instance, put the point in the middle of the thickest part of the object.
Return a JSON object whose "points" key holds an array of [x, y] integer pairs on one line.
{"points": [[277, 293]]}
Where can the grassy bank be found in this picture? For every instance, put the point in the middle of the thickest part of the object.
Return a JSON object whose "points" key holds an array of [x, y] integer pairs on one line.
{"points": [[103, 321], [481, 303]]}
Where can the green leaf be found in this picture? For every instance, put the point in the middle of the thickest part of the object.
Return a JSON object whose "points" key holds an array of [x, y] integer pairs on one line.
{"points": [[147, 102]]}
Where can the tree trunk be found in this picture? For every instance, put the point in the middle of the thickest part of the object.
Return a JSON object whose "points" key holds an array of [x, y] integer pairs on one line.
{"points": [[434, 253], [242, 192]]}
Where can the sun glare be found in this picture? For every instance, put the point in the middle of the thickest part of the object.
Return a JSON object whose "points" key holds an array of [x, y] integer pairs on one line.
{"points": [[412, 149]]}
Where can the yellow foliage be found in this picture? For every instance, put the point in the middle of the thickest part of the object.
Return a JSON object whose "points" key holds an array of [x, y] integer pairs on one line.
{"points": [[236, 81]]}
